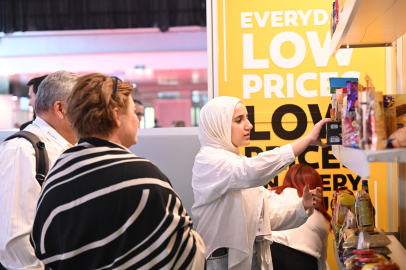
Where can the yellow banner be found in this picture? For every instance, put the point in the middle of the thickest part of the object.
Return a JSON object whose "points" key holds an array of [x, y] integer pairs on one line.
{"points": [[275, 57]]}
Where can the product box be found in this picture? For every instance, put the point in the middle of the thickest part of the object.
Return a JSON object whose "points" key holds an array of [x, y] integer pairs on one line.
{"points": [[400, 105], [349, 128], [340, 83], [338, 112], [395, 111], [334, 133]]}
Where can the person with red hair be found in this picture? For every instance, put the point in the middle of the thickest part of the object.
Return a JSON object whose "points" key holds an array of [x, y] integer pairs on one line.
{"points": [[305, 247]]}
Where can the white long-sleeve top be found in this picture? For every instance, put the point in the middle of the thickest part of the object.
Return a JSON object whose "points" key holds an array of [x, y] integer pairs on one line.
{"points": [[19, 192], [311, 237], [229, 197]]}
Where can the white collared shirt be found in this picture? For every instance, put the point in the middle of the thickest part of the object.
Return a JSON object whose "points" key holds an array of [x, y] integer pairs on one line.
{"points": [[19, 191], [229, 198], [311, 237]]}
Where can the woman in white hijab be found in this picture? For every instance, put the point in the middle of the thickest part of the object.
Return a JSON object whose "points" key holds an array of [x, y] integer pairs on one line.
{"points": [[231, 207]]}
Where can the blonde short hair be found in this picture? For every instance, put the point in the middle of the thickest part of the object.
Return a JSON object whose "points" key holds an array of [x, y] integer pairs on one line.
{"points": [[91, 105]]}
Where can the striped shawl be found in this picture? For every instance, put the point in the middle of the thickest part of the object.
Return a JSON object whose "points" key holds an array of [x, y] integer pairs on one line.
{"points": [[102, 207]]}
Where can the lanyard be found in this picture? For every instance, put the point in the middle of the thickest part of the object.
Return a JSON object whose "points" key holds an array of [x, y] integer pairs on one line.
{"points": [[51, 135]]}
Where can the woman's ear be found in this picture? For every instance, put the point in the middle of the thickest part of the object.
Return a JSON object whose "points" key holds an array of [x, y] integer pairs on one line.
{"points": [[117, 116]]}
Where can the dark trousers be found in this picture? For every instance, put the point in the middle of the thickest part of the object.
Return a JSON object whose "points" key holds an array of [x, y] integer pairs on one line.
{"points": [[286, 258], [2, 268]]}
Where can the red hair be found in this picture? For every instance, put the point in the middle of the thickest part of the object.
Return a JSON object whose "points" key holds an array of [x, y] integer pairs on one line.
{"points": [[297, 177]]}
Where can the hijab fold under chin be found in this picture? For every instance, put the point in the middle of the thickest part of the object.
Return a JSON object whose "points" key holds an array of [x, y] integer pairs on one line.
{"points": [[215, 123]]}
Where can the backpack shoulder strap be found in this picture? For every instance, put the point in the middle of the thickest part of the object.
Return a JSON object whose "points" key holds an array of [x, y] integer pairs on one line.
{"points": [[41, 155]]}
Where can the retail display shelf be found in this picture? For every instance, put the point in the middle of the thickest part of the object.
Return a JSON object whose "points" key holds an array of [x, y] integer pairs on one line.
{"points": [[398, 254], [369, 23], [358, 160]]}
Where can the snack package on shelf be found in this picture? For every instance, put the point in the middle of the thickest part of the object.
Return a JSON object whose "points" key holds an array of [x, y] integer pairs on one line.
{"points": [[338, 91], [349, 128], [395, 110], [389, 111], [333, 107], [356, 102], [350, 222], [395, 117], [362, 120], [398, 138], [339, 103], [336, 82], [344, 203], [377, 239], [376, 131], [343, 200], [400, 105], [352, 95]]}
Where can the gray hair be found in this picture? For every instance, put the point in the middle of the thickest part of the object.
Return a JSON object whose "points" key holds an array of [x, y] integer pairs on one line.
{"points": [[56, 87]]}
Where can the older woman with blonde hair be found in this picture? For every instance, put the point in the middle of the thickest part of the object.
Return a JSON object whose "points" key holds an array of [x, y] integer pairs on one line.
{"points": [[103, 207]]}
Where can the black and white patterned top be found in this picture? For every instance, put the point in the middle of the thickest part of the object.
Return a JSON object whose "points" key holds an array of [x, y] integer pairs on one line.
{"points": [[103, 207]]}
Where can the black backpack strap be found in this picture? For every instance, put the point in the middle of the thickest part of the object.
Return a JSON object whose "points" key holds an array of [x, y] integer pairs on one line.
{"points": [[41, 155]]}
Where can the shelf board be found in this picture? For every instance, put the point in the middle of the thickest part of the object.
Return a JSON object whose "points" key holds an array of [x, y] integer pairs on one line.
{"points": [[369, 23], [358, 160]]}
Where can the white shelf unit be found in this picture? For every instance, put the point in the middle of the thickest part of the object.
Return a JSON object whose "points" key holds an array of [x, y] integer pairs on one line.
{"points": [[369, 23], [375, 23], [359, 161]]}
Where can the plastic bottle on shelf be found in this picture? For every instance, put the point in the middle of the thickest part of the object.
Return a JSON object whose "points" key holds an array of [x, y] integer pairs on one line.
{"points": [[366, 188], [356, 212], [364, 211]]}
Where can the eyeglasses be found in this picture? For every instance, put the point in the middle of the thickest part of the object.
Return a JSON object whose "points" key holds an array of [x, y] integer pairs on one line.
{"points": [[115, 85]]}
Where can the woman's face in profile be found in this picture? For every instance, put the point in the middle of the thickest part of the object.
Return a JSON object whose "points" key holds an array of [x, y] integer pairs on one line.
{"points": [[240, 126], [129, 125]]}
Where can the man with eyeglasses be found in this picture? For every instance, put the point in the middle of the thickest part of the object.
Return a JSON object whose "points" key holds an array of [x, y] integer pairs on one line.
{"points": [[139, 109]]}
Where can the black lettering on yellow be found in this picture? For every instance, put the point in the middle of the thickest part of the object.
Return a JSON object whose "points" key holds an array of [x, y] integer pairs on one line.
{"points": [[353, 181], [326, 184], [337, 183], [326, 157], [256, 135], [301, 122]]}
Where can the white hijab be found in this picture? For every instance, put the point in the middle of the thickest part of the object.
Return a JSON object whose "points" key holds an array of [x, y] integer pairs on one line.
{"points": [[215, 123]]}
